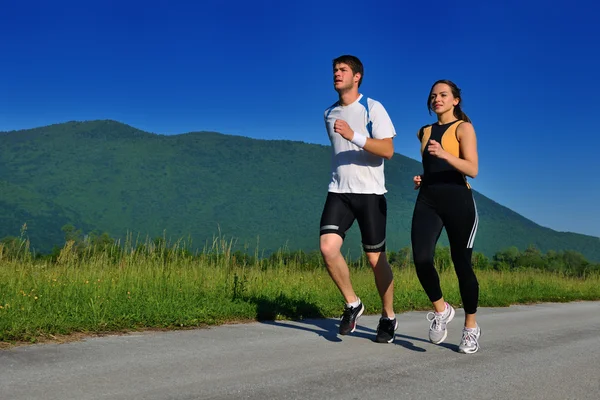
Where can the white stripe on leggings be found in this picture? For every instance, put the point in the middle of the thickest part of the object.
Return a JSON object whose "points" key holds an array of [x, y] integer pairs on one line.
{"points": [[474, 230]]}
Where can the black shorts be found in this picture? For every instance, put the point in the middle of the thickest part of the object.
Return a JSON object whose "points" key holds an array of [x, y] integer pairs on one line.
{"points": [[370, 210]]}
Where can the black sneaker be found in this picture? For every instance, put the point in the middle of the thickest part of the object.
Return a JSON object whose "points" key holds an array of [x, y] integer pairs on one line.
{"points": [[386, 330], [348, 320]]}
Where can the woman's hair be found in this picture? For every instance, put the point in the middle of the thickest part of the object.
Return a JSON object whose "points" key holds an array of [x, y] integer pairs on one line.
{"points": [[458, 112]]}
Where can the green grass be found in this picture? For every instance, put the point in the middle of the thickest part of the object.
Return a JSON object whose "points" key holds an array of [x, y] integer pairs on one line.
{"points": [[115, 290]]}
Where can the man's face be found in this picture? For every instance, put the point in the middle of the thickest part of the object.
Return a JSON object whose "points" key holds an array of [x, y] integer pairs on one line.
{"points": [[343, 78]]}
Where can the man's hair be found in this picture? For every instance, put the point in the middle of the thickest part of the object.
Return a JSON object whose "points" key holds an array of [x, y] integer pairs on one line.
{"points": [[354, 64]]}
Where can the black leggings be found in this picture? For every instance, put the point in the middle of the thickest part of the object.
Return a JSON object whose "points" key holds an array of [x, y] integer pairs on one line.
{"points": [[450, 206]]}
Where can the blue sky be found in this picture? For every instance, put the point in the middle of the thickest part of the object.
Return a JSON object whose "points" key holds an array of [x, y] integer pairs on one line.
{"points": [[528, 71]]}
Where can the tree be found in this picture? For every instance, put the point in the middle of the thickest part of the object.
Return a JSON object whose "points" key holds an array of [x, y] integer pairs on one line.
{"points": [[506, 259]]}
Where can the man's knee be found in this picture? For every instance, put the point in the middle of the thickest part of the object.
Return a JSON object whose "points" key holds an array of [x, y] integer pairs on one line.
{"points": [[376, 258], [330, 245]]}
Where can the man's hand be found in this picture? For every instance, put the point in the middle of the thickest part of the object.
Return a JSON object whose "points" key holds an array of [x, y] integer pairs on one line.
{"points": [[343, 129]]}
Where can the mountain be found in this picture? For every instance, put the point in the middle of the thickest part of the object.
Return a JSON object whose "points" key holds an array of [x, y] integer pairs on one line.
{"points": [[265, 194]]}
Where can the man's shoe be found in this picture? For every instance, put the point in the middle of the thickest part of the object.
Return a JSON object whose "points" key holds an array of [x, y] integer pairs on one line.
{"points": [[386, 330], [349, 317]]}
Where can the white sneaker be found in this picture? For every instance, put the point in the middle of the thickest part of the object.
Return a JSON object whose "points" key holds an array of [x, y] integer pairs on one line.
{"points": [[469, 343], [437, 329]]}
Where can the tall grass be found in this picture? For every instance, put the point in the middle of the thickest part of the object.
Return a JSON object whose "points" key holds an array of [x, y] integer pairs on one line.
{"points": [[161, 285]]}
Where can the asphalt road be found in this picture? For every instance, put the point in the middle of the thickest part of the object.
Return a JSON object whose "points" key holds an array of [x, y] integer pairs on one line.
{"points": [[546, 351]]}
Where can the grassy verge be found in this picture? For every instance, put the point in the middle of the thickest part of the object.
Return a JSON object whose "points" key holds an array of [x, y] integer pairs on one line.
{"points": [[136, 290]]}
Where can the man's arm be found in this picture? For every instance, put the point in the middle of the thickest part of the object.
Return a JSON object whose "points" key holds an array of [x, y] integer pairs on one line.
{"points": [[380, 147], [383, 132]]}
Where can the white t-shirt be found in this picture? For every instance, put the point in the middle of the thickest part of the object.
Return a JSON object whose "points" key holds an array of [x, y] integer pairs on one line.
{"points": [[355, 170]]}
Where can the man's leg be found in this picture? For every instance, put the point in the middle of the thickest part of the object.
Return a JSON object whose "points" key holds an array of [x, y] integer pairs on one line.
{"points": [[331, 244], [336, 219], [371, 214], [384, 280]]}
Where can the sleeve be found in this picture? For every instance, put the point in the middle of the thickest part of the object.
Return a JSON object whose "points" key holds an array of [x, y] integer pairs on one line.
{"points": [[382, 124]]}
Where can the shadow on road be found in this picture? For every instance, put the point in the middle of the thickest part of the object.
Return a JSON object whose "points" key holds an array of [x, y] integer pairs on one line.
{"points": [[306, 316]]}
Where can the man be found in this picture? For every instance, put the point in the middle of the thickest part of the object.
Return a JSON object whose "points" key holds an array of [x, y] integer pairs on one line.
{"points": [[361, 133]]}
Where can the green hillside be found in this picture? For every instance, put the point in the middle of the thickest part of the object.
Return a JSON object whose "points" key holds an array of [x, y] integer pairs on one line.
{"points": [[112, 177]]}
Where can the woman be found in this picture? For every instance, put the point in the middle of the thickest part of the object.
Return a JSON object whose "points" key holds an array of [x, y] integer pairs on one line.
{"points": [[449, 153]]}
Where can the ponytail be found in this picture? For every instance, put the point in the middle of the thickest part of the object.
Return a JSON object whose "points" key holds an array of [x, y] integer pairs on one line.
{"points": [[459, 113]]}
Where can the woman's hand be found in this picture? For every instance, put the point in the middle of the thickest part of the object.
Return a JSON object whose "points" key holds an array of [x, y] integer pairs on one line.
{"points": [[417, 181], [436, 150]]}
